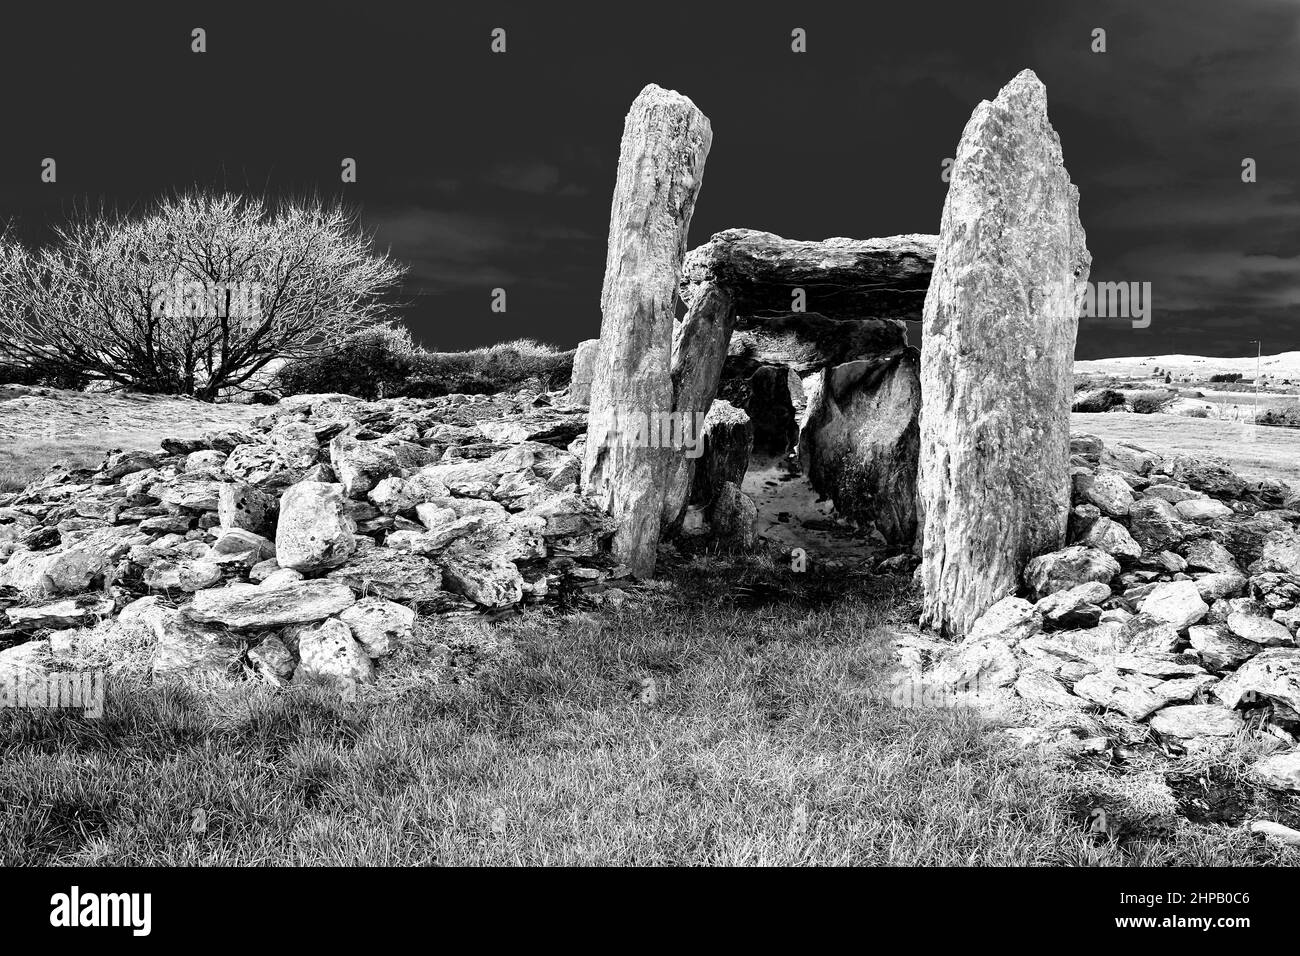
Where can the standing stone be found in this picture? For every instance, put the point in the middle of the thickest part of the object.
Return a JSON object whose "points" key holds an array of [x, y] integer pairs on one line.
{"points": [[1001, 316], [665, 142], [584, 368]]}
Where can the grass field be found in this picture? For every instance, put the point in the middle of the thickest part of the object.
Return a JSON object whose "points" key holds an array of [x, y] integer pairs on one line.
{"points": [[684, 728], [41, 426], [1258, 452]]}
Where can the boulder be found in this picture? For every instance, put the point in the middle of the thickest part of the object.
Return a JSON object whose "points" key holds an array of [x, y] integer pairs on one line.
{"points": [[1155, 525], [254, 606], [1074, 607], [1259, 629], [327, 652], [1190, 721], [733, 516], [1011, 619], [860, 443], [1067, 568], [1219, 648], [728, 438], [489, 580], [1210, 475], [379, 625], [273, 660], [1178, 602], [396, 575], [360, 465], [1273, 673], [1280, 771], [184, 648], [315, 530], [1113, 538], [1107, 490], [242, 505]]}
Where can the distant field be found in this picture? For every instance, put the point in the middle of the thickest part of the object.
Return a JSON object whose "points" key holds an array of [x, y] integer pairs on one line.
{"points": [[1261, 452], [40, 426]]}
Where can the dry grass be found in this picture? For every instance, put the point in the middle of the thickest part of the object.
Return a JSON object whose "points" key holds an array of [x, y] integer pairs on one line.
{"points": [[42, 426], [1259, 452], [767, 739]]}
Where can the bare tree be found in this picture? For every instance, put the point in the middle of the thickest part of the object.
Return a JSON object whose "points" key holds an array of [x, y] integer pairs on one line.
{"points": [[196, 295]]}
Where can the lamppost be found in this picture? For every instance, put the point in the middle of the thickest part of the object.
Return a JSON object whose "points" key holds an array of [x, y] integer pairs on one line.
{"points": [[1259, 351]]}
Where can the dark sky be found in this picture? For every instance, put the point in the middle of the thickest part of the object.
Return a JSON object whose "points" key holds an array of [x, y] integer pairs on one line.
{"points": [[481, 170]]}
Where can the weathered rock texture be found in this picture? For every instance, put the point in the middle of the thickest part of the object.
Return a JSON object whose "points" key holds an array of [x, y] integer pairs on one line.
{"points": [[836, 382], [882, 278], [665, 142], [699, 350], [1001, 317], [584, 368], [861, 440]]}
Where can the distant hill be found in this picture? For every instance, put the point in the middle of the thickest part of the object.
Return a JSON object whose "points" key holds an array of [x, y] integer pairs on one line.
{"points": [[1285, 365]]}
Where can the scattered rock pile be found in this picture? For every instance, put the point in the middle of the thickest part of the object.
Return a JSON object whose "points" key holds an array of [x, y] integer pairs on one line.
{"points": [[1175, 602], [303, 545]]}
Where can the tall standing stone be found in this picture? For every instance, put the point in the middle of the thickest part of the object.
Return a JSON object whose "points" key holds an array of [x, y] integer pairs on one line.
{"points": [[1001, 316], [665, 142]]}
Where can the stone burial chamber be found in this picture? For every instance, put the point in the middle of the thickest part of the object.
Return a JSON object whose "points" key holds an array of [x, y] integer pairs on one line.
{"points": [[832, 391], [792, 361], [827, 398]]}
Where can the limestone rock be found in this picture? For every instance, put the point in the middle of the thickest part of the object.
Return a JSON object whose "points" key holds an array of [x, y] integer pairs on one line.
{"points": [[241, 505], [699, 353], [379, 625], [1011, 619], [1280, 771], [584, 369], [860, 444], [391, 574], [273, 660], [998, 350], [728, 438], [1210, 475], [1155, 525], [1107, 490], [1188, 721], [1178, 602], [1259, 630], [1074, 607], [328, 653], [185, 648], [492, 581], [252, 606], [360, 465], [661, 162], [844, 278], [1219, 648], [315, 530], [1069, 567], [733, 516], [1273, 673], [1113, 538]]}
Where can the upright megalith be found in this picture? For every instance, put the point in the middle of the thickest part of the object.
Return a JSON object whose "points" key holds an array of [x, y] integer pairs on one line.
{"points": [[1001, 316], [629, 456], [584, 367]]}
